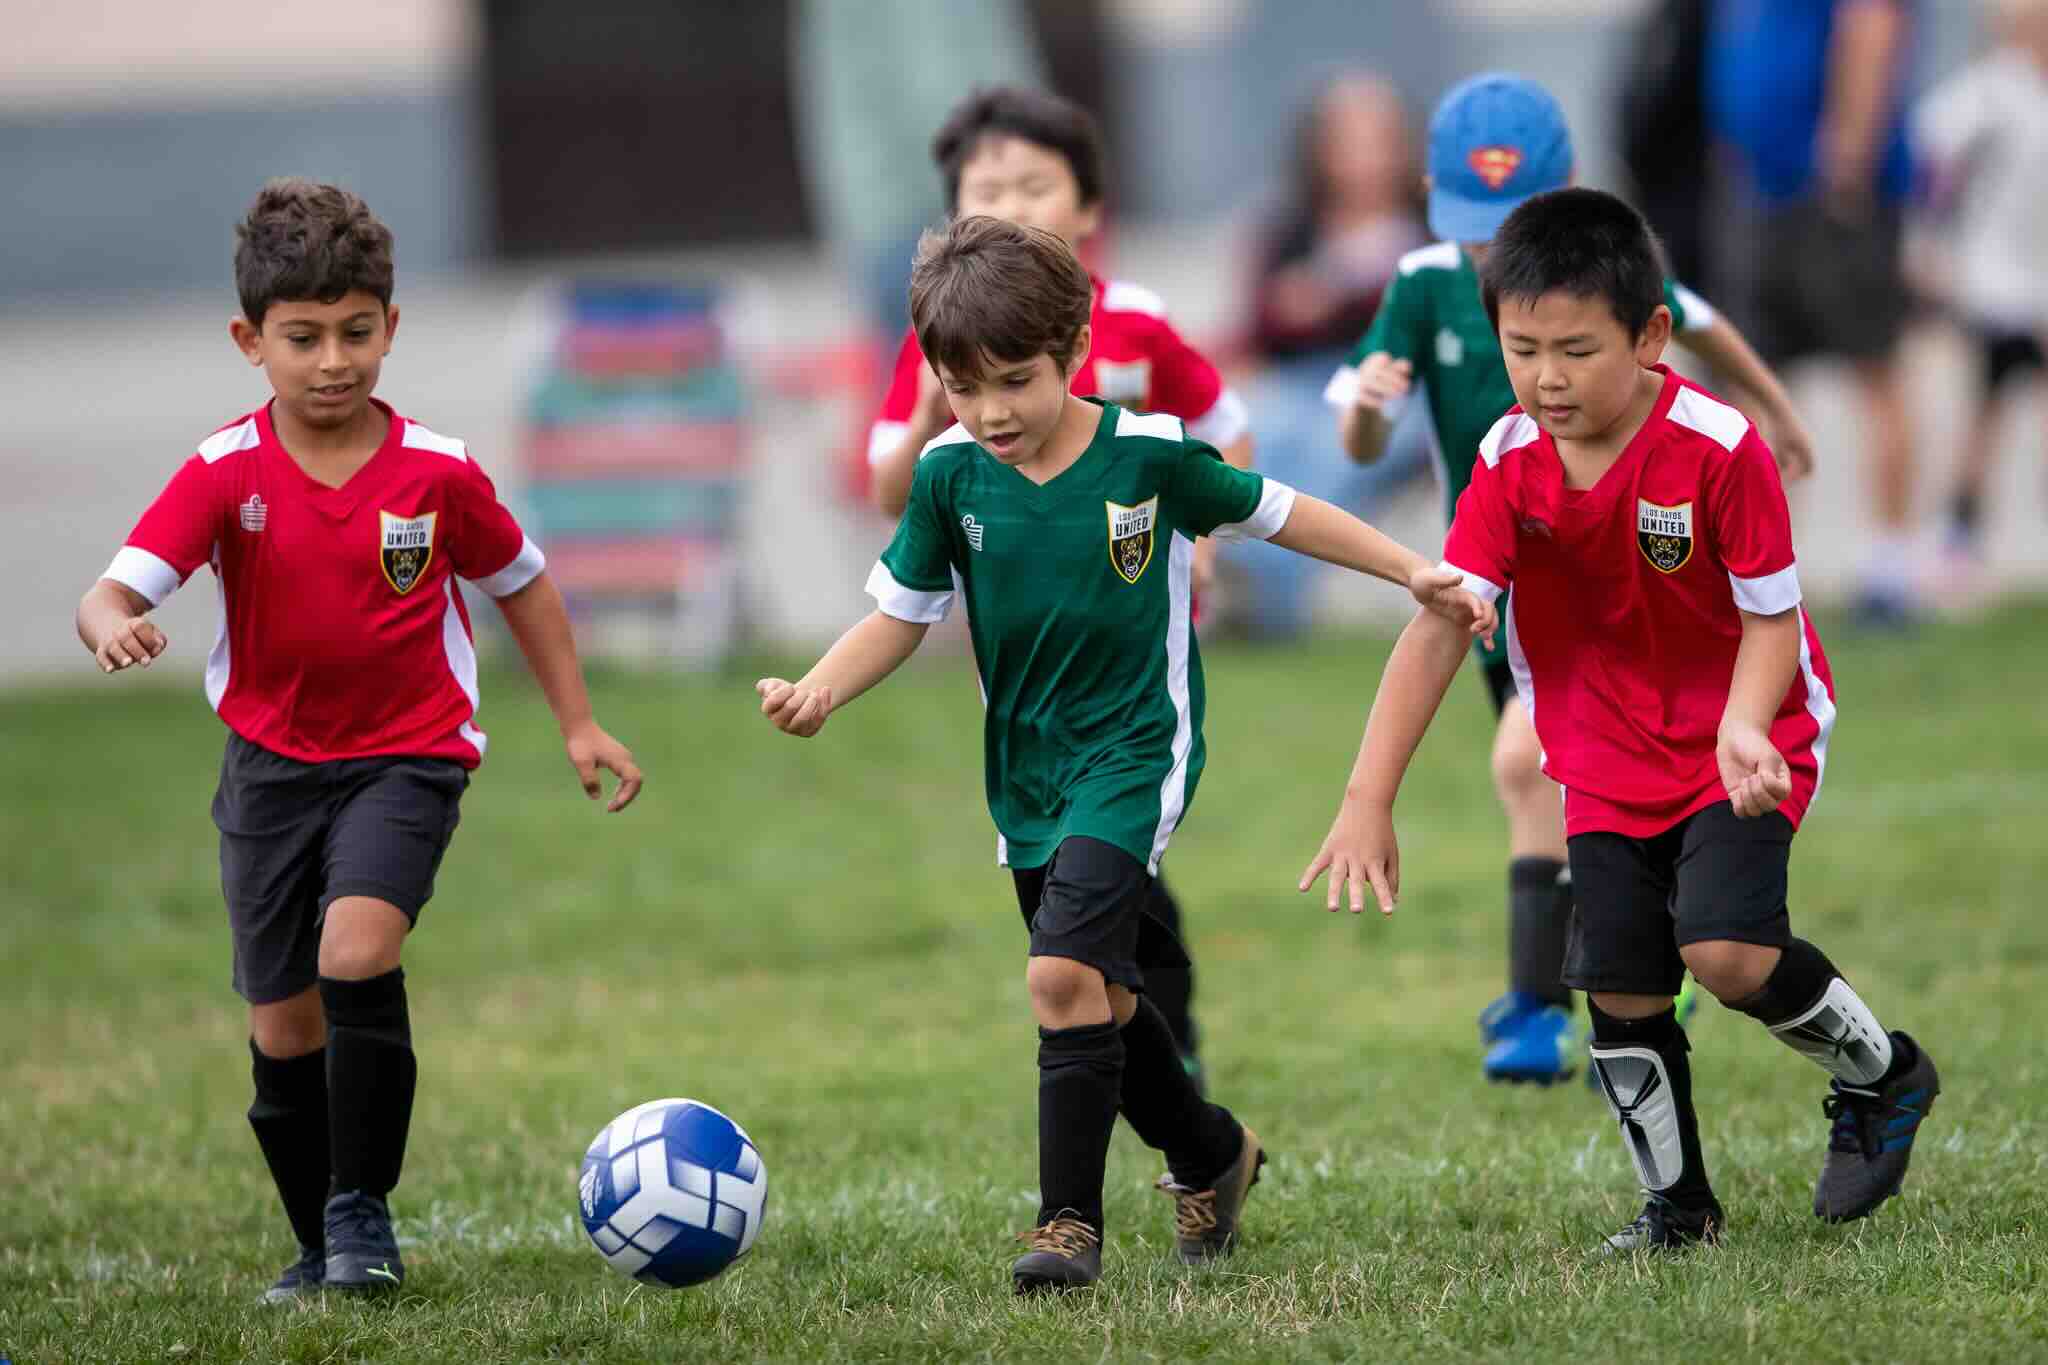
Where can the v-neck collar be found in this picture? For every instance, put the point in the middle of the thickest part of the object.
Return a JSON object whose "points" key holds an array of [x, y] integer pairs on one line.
{"points": [[267, 430], [1630, 453], [1066, 477]]}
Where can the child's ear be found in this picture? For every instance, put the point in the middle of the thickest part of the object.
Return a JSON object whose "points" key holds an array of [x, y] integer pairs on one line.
{"points": [[390, 325], [248, 338], [1656, 335], [1082, 340]]}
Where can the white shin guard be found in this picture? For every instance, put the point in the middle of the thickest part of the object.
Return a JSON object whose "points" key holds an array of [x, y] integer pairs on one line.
{"points": [[1638, 1091], [1840, 1033]]}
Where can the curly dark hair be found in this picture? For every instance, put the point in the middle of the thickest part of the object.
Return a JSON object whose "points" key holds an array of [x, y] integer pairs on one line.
{"points": [[303, 240]]}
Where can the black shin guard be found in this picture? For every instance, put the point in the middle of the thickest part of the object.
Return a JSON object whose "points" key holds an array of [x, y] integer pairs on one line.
{"points": [[1172, 989], [1166, 1111], [290, 1119], [1811, 1009], [1080, 1073], [1539, 917], [1647, 1080], [370, 1077]]}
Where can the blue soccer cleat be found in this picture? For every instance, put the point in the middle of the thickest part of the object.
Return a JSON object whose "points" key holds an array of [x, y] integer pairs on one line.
{"points": [[1529, 1040]]}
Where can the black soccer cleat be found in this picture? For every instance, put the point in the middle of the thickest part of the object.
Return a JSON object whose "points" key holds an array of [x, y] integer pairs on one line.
{"points": [[1205, 1221], [1064, 1254], [1664, 1226], [362, 1251], [1871, 1140], [302, 1279]]}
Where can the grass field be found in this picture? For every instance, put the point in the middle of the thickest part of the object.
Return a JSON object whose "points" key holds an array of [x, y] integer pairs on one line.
{"points": [[811, 936]]}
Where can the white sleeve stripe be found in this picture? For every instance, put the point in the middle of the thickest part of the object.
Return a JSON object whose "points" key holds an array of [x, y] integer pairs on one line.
{"points": [[1225, 421], [1485, 589], [137, 568], [1342, 390], [1769, 595], [883, 438], [1276, 504], [907, 604], [524, 568]]}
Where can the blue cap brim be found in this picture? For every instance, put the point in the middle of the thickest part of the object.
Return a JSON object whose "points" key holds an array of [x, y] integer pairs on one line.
{"points": [[1454, 218]]}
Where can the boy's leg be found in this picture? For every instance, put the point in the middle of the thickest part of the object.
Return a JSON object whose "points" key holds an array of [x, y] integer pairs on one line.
{"points": [[1172, 989], [392, 823], [1528, 1030], [1623, 955], [1735, 932]]}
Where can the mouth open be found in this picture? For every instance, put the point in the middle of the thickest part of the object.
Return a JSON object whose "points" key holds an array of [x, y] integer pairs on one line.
{"points": [[1004, 443], [332, 392]]}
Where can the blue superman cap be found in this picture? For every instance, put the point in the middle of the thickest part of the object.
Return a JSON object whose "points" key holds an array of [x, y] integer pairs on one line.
{"points": [[1494, 141]]}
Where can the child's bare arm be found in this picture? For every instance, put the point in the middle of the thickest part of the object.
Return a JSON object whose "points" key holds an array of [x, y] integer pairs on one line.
{"points": [[1321, 531], [873, 649], [540, 622], [1360, 849], [1364, 423], [1768, 404], [113, 623], [1752, 770]]}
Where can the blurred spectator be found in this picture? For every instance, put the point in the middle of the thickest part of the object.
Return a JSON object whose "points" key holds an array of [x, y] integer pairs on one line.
{"points": [[1806, 97], [1984, 137], [1353, 209], [1661, 108], [871, 80]]}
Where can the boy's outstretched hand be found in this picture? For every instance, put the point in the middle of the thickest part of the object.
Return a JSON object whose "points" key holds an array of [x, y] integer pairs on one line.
{"points": [[794, 710], [1360, 850], [1443, 591], [590, 748], [1752, 770]]}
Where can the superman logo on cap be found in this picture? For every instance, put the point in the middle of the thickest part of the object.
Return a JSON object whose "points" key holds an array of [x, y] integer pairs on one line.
{"points": [[1495, 165]]}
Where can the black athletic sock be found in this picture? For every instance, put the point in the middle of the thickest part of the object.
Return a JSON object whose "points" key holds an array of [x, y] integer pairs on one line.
{"points": [[1080, 1071], [1809, 1006], [1539, 914], [1172, 989], [1166, 1111], [1634, 1091], [370, 1077], [1966, 510], [290, 1118]]}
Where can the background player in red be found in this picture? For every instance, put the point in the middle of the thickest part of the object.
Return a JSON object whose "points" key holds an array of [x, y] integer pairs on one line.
{"points": [[345, 673], [1681, 696], [1036, 159]]}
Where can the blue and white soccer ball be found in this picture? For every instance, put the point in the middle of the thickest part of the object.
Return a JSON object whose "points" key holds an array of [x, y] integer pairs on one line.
{"points": [[672, 1191]]}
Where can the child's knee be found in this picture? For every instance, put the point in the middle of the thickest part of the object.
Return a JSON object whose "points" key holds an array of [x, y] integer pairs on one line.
{"points": [[1062, 988], [1732, 971], [288, 1028], [361, 938], [1518, 764]]}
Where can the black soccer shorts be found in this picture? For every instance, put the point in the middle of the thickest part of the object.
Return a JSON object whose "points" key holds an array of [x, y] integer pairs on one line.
{"points": [[1094, 903], [1638, 901], [295, 837]]}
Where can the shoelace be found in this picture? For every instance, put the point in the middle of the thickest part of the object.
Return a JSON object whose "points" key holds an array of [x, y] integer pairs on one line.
{"points": [[1855, 1119], [1194, 1211], [1067, 1237]]}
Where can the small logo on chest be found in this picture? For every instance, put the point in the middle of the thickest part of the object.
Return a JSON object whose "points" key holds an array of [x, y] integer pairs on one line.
{"points": [[254, 514], [407, 548], [974, 530], [1130, 537], [1664, 534], [1450, 348]]}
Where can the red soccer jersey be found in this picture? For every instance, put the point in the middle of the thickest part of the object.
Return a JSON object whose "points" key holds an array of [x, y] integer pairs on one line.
{"points": [[1135, 360], [342, 634], [1625, 617]]}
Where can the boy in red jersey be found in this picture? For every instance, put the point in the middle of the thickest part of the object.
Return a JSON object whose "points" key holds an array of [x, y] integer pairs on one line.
{"points": [[1036, 159], [1681, 696], [345, 673]]}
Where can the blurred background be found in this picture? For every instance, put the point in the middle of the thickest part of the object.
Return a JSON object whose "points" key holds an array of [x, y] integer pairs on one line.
{"points": [[652, 255]]}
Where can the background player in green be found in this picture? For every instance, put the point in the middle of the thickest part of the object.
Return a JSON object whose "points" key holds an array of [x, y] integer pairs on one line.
{"points": [[1494, 141], [1069, 526]]}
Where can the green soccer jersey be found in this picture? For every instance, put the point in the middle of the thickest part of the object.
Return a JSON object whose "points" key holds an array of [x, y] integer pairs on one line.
{"points": [[1078, 601]]}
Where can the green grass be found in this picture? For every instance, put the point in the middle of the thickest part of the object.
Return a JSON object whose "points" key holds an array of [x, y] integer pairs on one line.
{"points": [[812, 937]]}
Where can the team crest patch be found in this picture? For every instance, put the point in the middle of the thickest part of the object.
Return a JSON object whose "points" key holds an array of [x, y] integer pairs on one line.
{"points": [[1130, 537], [1664, 534], [1494, 165], [407, 549]]}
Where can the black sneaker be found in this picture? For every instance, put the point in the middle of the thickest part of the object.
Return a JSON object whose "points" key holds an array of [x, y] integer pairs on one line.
{"points": [[1205, 1221], [303, 1278], [1665, 1226], [1871, 1141], [1065, 1253], [362, 1253]]}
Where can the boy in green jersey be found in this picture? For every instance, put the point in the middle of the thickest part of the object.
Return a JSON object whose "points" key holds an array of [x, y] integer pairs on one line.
{"points": [[1068, 526], [1495, 141]]}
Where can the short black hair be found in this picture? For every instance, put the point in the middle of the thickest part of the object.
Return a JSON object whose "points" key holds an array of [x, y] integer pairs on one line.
{"points": [[1033, 115], [985, 289], [1581, 242], [303, 240]]}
